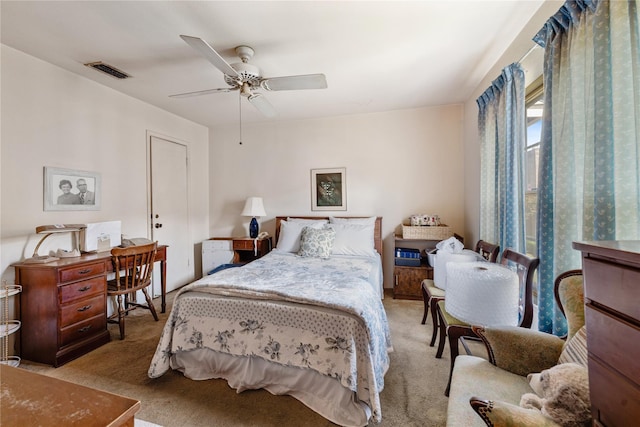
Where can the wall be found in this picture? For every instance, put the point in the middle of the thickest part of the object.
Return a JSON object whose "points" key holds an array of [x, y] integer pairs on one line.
{"points": [[51, 117], [519, 50], [398, 163]]}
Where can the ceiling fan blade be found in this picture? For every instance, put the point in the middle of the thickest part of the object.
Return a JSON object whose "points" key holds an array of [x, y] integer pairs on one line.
{"points": [[203, 92], [307, 81], [208, 52], [262, 104]]}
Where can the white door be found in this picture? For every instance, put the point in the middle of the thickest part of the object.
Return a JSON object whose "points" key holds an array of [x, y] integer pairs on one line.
{"points": [[169, 210]]}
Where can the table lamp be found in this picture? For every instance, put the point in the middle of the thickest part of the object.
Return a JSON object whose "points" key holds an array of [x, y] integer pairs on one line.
{"points": [[48, 230], [253, 207]]}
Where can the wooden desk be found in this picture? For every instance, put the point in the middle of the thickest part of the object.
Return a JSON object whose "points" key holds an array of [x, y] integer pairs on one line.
{"points": [[31, 399], [63, 306]]}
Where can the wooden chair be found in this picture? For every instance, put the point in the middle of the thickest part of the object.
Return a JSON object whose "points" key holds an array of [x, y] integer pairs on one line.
{"points": [[133, 267], [456, 329], [431, 294]]}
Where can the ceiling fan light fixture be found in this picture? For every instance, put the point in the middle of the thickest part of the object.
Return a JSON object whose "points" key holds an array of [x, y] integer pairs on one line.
{"points": [[248, 73], [245, 90]]}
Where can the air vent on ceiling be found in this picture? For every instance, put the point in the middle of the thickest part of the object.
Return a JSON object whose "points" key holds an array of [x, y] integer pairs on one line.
{"points": [[108, 69]]}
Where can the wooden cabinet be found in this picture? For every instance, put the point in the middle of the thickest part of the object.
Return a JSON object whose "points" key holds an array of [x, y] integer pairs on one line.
{"points": [[407, 280], [612, 312], [247, 249], [63, 308]]}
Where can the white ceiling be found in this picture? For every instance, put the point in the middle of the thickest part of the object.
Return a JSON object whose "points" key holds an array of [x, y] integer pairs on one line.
{"points": [[376, 55]]}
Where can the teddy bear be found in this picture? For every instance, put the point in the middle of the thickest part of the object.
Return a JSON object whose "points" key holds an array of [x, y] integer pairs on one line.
{"points": [[562, 394]]}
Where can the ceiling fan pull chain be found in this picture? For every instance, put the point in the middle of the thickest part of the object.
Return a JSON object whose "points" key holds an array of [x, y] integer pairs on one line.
{"points": [[240, 109]]}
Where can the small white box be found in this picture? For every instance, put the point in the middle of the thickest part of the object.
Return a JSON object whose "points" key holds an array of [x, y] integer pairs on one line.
{"points": [[100, 236]]}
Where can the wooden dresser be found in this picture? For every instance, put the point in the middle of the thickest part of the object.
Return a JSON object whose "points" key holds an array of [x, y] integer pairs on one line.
{"points": [[612, 298], [63, 308]]}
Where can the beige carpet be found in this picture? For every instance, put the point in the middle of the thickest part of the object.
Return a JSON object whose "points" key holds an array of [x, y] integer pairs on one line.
{"points": [[412, 396]]}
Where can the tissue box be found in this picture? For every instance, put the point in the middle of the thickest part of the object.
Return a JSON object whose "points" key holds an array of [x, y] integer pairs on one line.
{"points": [[439, 232]]}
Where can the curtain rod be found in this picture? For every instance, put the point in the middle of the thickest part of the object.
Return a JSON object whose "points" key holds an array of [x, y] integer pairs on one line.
{"points": [[535, 45]]}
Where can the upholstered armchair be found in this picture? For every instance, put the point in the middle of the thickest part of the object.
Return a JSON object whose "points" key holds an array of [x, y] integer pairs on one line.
{"points": [[487, 392]]}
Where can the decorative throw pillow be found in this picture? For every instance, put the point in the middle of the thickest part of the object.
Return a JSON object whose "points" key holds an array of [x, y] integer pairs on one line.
{"points": [[316, 242], [575, 350]]}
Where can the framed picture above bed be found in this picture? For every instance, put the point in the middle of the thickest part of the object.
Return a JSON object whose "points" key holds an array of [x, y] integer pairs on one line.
{"points": [[71, 190], [329, 189]]}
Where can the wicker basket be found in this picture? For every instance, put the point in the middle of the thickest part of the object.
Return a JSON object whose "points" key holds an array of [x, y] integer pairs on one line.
{"points": [[440, 232]]}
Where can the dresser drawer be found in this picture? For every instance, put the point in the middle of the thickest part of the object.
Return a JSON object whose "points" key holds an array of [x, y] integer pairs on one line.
{"points": [[612, 285], [82, 330], [82, 272], [81, 310], [243, 245], [613, 341], [84, 289], [615, 401]]}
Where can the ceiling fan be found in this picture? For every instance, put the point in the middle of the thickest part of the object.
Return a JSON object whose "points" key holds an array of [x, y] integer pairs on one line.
{"points": [[247, 78]]}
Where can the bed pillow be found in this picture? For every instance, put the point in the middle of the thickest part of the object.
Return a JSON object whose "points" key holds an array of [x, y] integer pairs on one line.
{"points": [[353, 239], [289, 237], [316, 242], [306, 221], [359, 221]]}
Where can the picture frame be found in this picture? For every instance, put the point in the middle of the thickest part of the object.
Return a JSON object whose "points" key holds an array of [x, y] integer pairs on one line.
{"points": [[62, 190], [329, 189]]}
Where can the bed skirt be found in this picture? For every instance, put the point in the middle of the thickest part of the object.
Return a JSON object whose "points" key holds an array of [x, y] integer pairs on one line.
{"points": [[320, 393]]}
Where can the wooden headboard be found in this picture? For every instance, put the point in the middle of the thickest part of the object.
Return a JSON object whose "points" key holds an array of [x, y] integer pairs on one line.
{"points": [[377, 230]]}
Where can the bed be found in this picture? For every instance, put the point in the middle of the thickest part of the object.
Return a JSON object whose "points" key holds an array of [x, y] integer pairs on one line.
{"points": [[305, 320]]}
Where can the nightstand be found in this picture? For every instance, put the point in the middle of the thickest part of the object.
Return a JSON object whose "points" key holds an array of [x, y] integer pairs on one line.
{"points": [[407, 280], [247, 249]]}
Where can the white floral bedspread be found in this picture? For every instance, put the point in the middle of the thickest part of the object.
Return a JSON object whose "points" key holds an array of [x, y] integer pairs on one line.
{"points": [[310, 313]]}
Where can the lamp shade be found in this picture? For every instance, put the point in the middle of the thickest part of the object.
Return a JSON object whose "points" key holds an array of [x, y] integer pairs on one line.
{"points": [[253, 207], [482, 293]]}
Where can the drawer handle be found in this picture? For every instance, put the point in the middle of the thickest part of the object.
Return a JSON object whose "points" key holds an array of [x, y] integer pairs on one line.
{"points": [[85, 329], [85, 308], [84, 288], [88, 270]]}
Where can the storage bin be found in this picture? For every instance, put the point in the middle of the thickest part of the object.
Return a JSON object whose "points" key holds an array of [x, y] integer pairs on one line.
{"points": [[439, 232]]}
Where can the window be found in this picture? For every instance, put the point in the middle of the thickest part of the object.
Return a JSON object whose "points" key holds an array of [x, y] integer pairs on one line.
{"points": [[534, 106]]}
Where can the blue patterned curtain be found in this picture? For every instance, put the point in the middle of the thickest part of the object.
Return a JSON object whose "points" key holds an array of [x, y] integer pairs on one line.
{"points": [[501, 123], [589, 177]]}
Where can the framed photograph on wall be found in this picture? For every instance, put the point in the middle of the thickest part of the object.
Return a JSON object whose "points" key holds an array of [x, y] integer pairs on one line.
{"points": [[329, 189], [71, 190]]}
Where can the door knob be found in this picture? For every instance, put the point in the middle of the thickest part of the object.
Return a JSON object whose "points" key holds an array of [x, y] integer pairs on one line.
{"points": [[158, 225]]}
